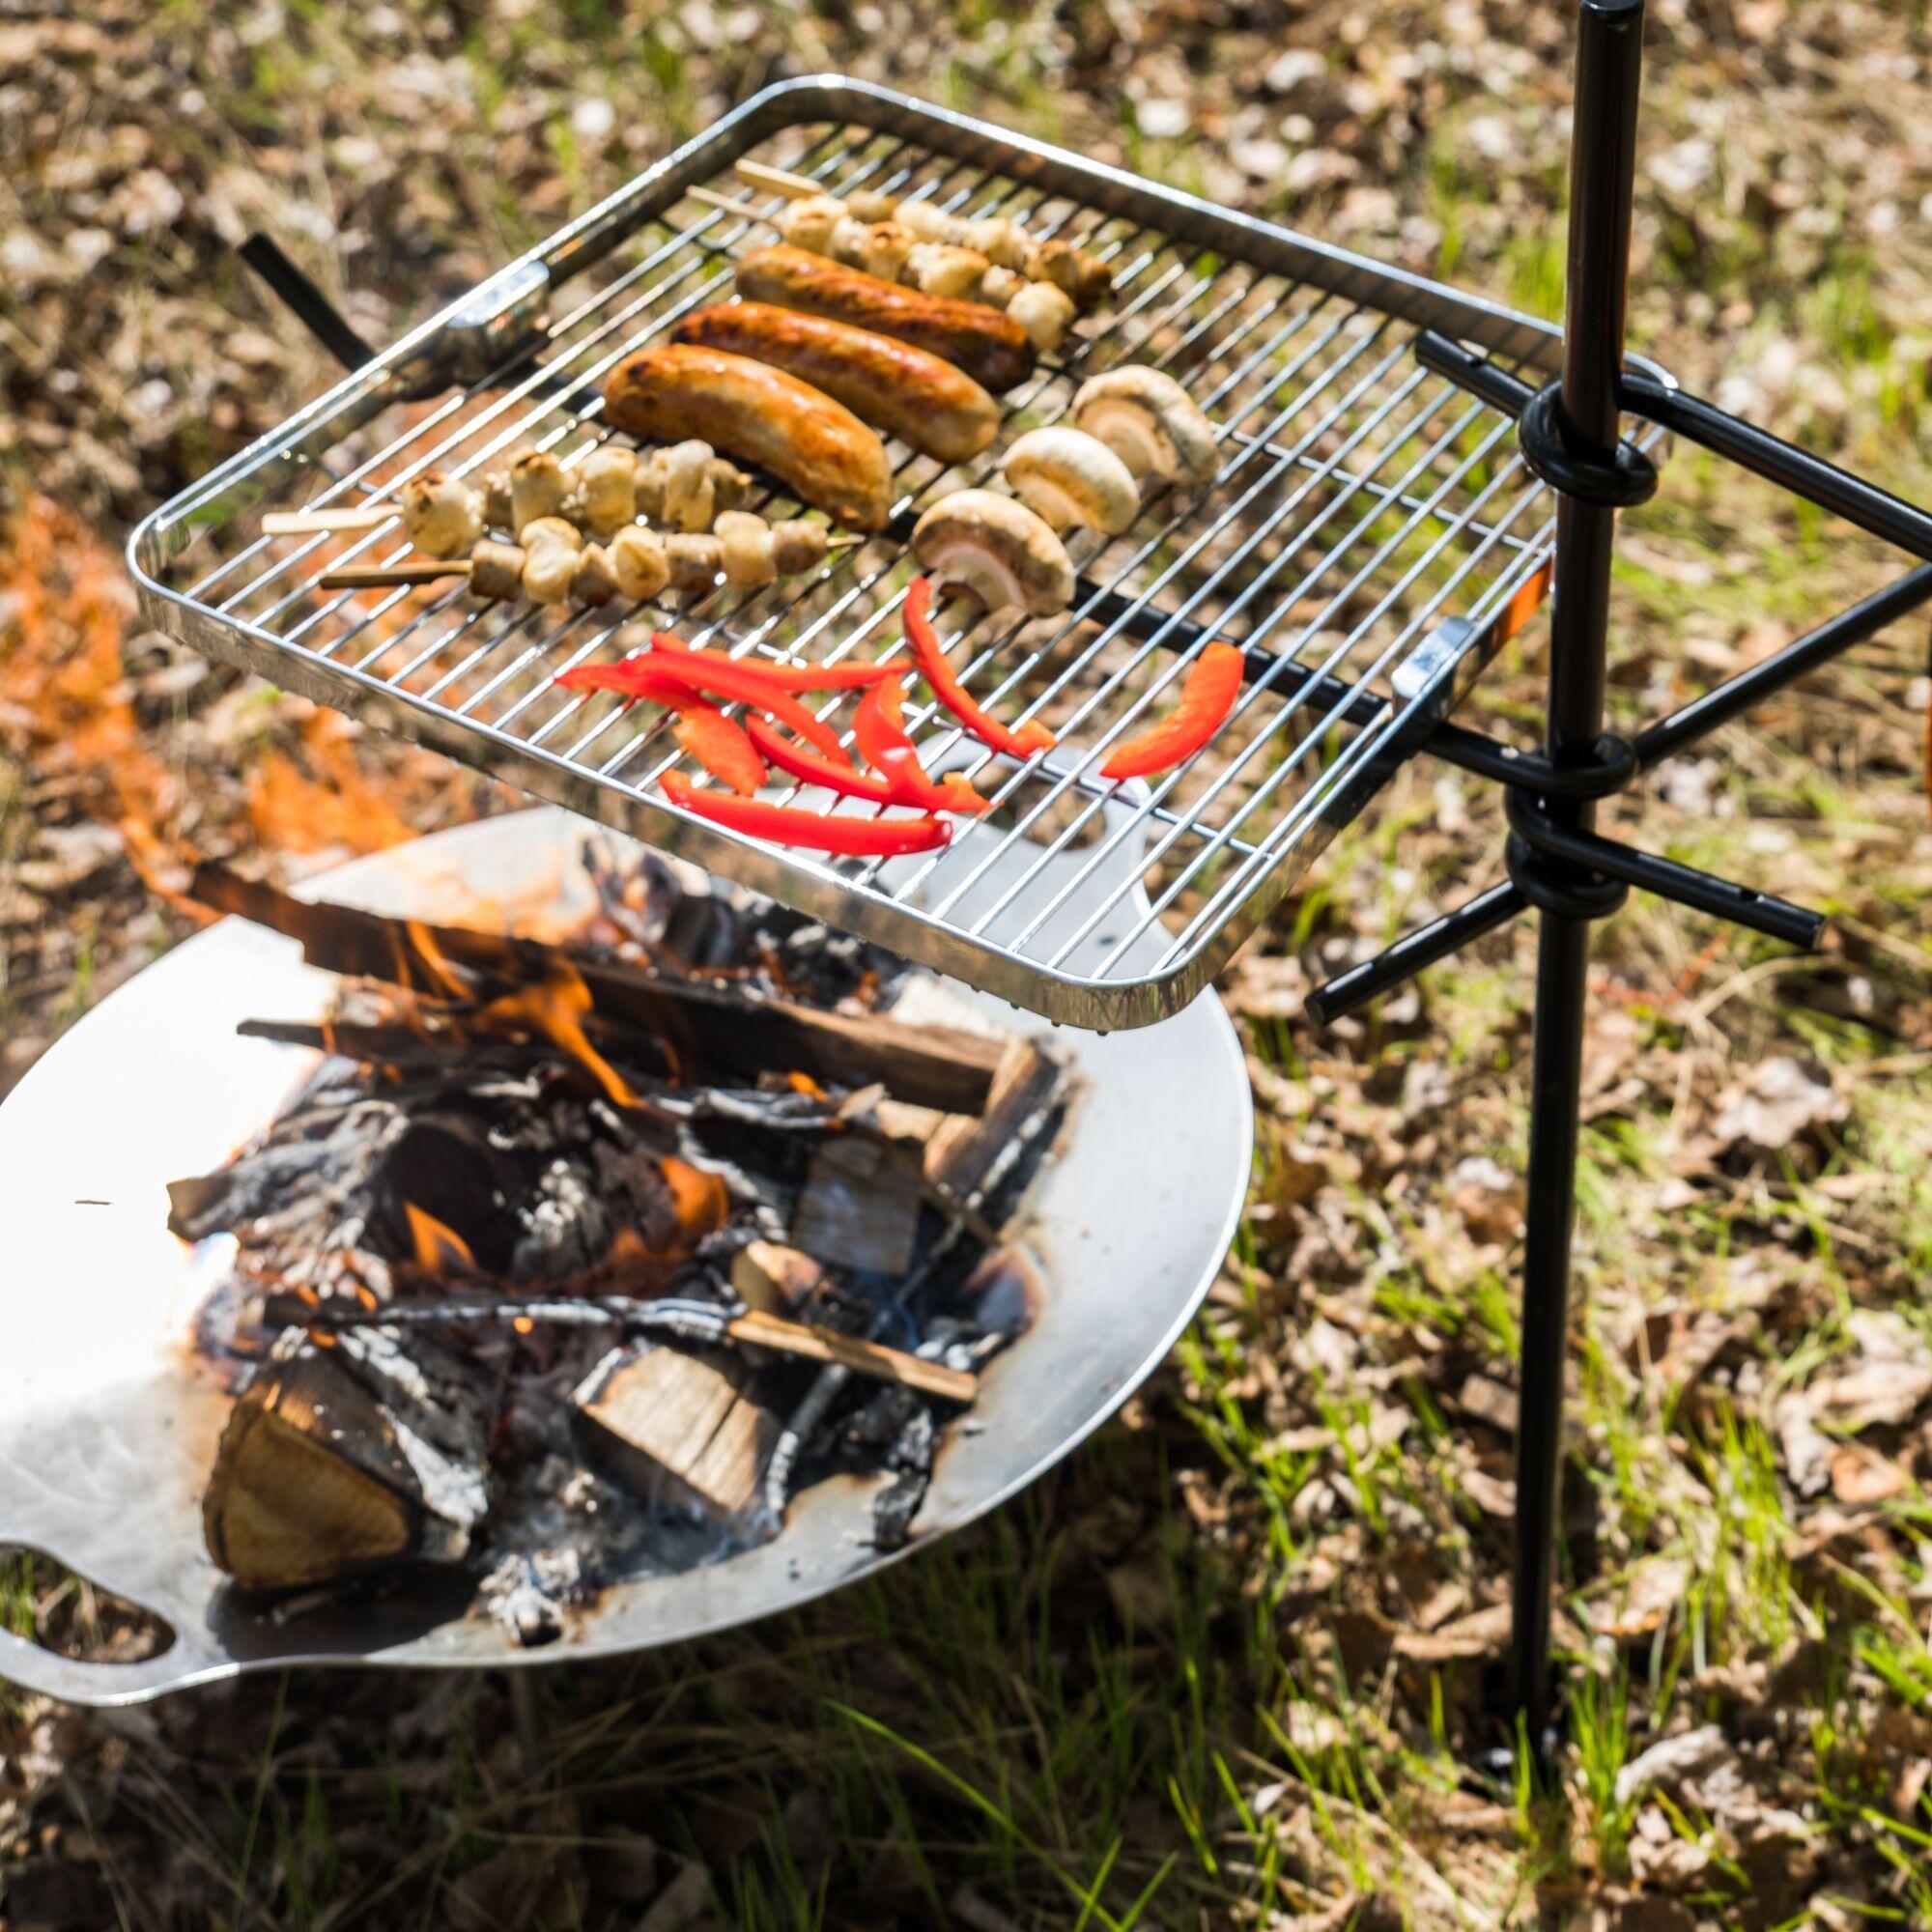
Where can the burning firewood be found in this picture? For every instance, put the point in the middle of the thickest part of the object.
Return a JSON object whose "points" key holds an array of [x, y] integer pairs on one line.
{"points": [[927, 1067], [347, 1457], [529, 1258]]}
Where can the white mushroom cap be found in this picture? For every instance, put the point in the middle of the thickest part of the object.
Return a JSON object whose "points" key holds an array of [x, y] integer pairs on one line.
{"points": [[996, 548], [1149, 422], [1070, 477]]}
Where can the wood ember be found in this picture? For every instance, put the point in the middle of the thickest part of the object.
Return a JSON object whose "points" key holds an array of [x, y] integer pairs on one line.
{"points": [[680, 1428]]}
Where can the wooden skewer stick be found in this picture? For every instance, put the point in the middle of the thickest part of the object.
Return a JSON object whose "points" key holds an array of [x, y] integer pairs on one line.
{"points": [[711, 198], [853, 1351], [381, 576], [329, 518], [794, 187]]}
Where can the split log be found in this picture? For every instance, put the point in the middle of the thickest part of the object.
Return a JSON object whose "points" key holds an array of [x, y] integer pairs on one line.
{"points": [[859, 1207], [715, 1024], [345, 1454], [679, 1429]]}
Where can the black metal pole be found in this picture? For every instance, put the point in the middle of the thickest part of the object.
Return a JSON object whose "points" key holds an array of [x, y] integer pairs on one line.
{"points": [[1602, 170]]}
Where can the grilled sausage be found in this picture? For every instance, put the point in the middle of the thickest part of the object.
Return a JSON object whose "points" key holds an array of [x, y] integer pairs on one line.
{"points": [[937, 408], [990, 347], [668, 390]]}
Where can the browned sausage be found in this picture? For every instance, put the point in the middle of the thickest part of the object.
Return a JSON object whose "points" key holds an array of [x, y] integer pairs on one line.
{"points": [[929, 404], [991, 348], [671, 390]]}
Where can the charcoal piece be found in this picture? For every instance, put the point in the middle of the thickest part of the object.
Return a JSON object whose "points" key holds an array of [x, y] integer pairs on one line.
{"points": [[910, 1458]]}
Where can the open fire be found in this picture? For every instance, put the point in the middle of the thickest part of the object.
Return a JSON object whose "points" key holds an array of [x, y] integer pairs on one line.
{"points": [[572, 1265]]}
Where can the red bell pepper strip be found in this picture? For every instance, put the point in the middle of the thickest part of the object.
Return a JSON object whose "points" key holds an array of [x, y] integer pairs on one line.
{"points": [[787, 825], [720, 745], [726, 677], [786, 677], [1207, 697], [946, 686], [801, 762], [884, 745], [702, 732]]}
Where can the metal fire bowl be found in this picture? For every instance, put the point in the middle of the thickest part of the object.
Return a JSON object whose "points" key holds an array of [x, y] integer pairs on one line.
{"points": [[108, 1419]]}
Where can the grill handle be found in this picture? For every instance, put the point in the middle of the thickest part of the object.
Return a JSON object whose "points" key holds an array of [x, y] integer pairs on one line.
{"points": [[300, 295]]}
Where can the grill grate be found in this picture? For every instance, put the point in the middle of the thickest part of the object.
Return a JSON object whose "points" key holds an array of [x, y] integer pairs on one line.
{"points": [[1369, 530]]}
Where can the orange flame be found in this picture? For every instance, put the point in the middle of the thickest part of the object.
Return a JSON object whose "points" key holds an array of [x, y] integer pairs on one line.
{"points": [[701, 1199], [555, 1008], [337, 806], [433, 963], [440, 1250]]}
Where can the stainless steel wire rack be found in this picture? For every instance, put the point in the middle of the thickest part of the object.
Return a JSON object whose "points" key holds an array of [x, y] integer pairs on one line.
{"points": [[1371, 538]]}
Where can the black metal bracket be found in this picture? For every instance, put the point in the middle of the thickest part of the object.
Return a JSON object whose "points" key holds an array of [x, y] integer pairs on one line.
{"points": [[1555, 869]]}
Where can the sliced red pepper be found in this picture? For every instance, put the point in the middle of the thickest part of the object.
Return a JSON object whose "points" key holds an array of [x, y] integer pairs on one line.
{"points": [[720, 745], [884, 745], [931, 659], [787, 825], [790, 677], [702, 732], [1212, 683], [747, 684], [801, 762]]}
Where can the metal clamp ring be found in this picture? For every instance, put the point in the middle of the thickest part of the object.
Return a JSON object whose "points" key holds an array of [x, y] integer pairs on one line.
{"points": [[1550, 455]]}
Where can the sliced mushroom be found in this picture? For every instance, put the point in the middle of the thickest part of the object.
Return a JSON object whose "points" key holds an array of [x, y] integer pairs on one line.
{"points": [[808, 223], [551, 547], [999, 286], [926, 219], [608, 487], [1078, 271], [640, 561], [1001, 241], [868, 204], [729, 485], [537, 487], [938, 268], [1149, 422], [1072, 478], [690, 497], [996, 548], [497, 511], [696, 560], [798, 545], [443, 515], [746, 543], [593, 581], [496, 570], [1044, 312]]}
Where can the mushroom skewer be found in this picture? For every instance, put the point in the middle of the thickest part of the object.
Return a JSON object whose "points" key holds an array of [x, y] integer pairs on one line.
{"points": [[1078, 273], [553, 565]]}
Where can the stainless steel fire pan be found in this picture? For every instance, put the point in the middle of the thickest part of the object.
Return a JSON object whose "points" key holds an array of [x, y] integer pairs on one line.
{"points": [[108, 1418]]}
